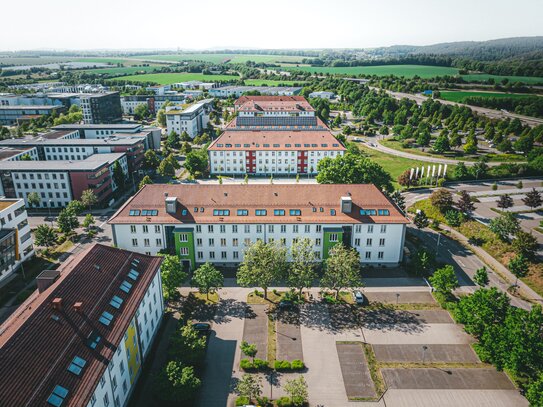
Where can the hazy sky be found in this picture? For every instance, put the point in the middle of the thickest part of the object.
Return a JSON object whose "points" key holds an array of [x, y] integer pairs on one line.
{"points": [[198, 24]]}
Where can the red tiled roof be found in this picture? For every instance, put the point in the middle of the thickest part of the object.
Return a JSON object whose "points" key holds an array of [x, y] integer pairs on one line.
{"points": [[258, 196], [36, 350], [277, 140]]}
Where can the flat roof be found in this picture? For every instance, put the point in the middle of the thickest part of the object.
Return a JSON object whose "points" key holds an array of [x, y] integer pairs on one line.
{"points": [[38, 342], [8, 152], [92, 162], [97, 126], [317, 203], [192, 108], [6, 203], [129, 139], [31, 107]]}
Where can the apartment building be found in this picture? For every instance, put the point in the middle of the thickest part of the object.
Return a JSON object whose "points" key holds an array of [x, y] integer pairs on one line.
{"points": [[193, 119], [154, 103], [151, 134], [237, 91], [59, 182], [214, 223], [82, 338], [277, 135], [15, 239]]}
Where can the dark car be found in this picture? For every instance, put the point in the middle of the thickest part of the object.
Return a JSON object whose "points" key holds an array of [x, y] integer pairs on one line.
{"points": [[202, 327]]}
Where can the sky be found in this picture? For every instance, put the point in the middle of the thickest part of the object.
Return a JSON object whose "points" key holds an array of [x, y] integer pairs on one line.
{"points": [[215, 24]]}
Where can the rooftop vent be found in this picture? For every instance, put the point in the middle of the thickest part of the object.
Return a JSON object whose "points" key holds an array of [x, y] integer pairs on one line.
{"points": [[97, 267], [78, 306], [346, 204], [57, 303], [46, 278]]}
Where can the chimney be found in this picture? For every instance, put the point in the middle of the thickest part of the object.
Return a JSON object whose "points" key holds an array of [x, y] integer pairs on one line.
{"points": [[171, 205], [57, 303], [78, 306], [346, 204], [46, 278]]}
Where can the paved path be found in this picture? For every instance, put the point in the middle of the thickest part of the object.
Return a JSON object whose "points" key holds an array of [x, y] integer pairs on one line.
{"points": [[405, 297], [454, 398], [255, 329], [438, 353], [289, 337]]}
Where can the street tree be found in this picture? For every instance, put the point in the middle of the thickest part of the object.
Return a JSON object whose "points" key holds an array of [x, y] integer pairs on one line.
{"points": [[33, 199], [423, 260], [173, 140], [119, 177], [302, 268], [88, 198], [67, 221], [75, 206], [142, 112], [525, 243], [249, 386], [187, 344], [207, 279], [504, 226], [248, 349], [263, 263], [444, 280], [297, 391], [151, 160], [172, 274], [464, 203], [353, 169], [481, 277], [166, 169], [421, 220], [505, 201], [185, 148], [185, 137], [44, 235], [180, 383], [196, 162], [145, 181], [342, 269], [398, 199], [533, 199], [442, 199], [519, 266], [88, 222]]}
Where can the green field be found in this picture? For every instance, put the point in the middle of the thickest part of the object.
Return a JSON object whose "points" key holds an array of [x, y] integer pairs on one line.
{"points": [[530, 80], [219, 58], [264, 82], [382, 70], [459, 96], [122, 71], [169, 78]]}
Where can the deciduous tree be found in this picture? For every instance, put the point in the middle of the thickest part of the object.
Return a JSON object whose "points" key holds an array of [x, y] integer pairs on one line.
{"points": [[533, 199], [444, 280], [442, 199], [504, 225], [302, 271], [505, 201], [342, 269], [45, 235], [67, 220], [207, 278], [297, 391], [421, 220], [464, 203], [172, 274], [249, 386]]}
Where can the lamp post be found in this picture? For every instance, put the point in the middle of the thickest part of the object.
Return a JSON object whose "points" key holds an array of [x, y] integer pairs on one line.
{"points": [[424, 349], [397, 298]]}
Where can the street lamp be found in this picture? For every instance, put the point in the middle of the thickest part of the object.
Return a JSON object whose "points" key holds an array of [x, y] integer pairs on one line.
{"points": [[397, 298], [424, 349]]}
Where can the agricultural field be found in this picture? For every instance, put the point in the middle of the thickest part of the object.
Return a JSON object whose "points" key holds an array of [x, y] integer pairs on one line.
{"points": [[530, 80], [459, 96], [264, 82], [382, 70], [130, 70], [220, 58], [169, 78]]}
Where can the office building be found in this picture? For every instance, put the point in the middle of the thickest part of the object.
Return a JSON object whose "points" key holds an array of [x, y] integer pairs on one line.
{"points": [[154, 103], [237, 91], [11, 115], [82, 337], [214, 223], [193, 119]]}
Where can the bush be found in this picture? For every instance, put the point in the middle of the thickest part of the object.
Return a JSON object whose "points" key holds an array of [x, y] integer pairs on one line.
{"points": [[494, 187], [282, 365], [263, 401], [297, 364], [284, 402], [246, 364], [261, 364], [435, 224], [440, 182], [257, 364], [242, 401]]}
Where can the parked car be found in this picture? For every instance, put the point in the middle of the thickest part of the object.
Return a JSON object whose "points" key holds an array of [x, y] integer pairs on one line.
{"points": [[202, 327], [359, 298], [357, 139]]}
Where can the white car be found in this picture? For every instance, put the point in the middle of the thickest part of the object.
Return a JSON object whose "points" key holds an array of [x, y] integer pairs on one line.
{"points": [[359, 297]]}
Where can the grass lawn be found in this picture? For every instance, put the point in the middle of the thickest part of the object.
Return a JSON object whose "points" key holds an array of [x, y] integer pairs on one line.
{"points": [[460, 96], [222, 58], [213, 298], [392, 164], [259, 299], [408, 71], [272, 340], [264, 82], [169, 78]]}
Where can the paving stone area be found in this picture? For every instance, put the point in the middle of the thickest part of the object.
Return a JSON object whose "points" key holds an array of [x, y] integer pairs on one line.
{"points": [[437, 378], [434, 353], [416, 317], [289, 337], [355, 371], [255, 328], [405, 297]]}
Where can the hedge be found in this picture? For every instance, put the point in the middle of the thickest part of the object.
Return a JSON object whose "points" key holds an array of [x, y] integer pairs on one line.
{"points": [[285, 365], [254, 365]]}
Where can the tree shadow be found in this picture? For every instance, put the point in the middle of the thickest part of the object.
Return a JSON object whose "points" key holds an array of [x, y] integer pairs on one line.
{"points": [[229, 309], [389, 319]]}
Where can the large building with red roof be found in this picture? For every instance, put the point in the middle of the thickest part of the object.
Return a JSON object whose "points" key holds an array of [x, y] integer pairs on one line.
{"points": [[211, 222], [273, 135], [81, 338]]}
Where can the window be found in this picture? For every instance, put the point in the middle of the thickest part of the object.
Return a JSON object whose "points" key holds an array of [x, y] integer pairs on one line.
{"points": [[261, 212], [368, 255], [132, 228], [243, 212], [146, 242], [57, 396], [381, 242], [106, 318], [183, 237], [133, 274], [235, 242], [199, 228], [106, 400], [135, 242], [222, 228], [270, 228], [247, 228], [134, 212], [370, 228], [333, 237], [295, 212], [333, 212], [125, 286], [234, 228], [116, 302], [198, 242], [211, 255], [357, 242], [383, 212], [114, 382], [77, 365], [279, 212], [236, 255], [223, 242], [211, 242], [200, 255], [258, 228], [368, 242], [184, 251], [358, 228], [380, 255], [93, 400], [223, 255], [159, 242], [145, 229], [283, 228], [157, 228], [221, 212], [319, 228], [383, 228], [317, 241]]}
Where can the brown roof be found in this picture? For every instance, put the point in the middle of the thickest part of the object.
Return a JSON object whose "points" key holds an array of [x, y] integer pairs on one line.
{"points": [[258, 196], [36, 348], [275, 106], [255, 140]]}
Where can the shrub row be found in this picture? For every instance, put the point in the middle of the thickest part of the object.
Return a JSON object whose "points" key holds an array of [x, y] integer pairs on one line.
{"points": [[254, 365], [285, 365]]}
